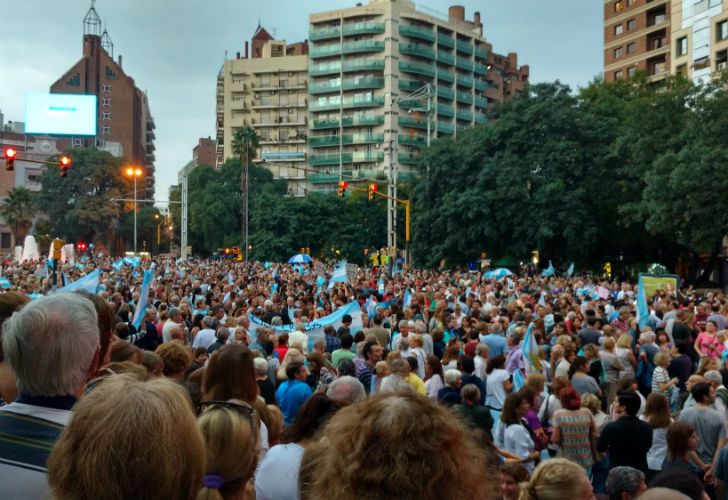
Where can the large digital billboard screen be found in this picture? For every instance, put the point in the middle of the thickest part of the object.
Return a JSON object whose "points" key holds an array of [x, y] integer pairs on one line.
{"points": [[60, 114]]}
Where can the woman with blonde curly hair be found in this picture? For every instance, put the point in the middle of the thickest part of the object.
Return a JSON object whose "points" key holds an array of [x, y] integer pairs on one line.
{"points": [[556, 479], [421, 450], [293, 355]]}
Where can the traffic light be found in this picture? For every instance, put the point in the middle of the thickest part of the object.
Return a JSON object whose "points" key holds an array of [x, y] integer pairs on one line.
{"points": [[81, 246], [342, 188], [10, 155], [64, 163], [373, 188], [227, 251], [57, 245]]}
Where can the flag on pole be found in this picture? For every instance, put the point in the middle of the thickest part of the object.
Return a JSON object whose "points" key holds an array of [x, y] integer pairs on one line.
{"points": [[88, 283], [407, 300], [549, 271], [143, 300], [643, 311], [529, 351], [570, 271], [542, 299], [371, 306], [339, 274]]}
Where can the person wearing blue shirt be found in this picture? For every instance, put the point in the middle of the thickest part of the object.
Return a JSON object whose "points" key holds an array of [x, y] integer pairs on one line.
{"points": [[497, 345], [293, 392]]}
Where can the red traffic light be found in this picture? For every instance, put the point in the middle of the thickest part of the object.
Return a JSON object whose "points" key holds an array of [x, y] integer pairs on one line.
{"points": [[64, 162], [10, 155], [81, 246]]}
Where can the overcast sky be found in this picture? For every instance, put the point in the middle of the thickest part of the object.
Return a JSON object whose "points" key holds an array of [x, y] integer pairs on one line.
{"points": [[174, 50]]}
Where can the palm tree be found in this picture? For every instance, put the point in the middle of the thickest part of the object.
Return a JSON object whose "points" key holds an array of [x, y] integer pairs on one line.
{"points": [[19, 209], [245, 143]]}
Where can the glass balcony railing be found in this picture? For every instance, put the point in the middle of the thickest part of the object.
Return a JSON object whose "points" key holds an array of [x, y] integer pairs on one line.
{"points": [[325, 69], [325, 50], [480, 69], [346, 139], [481, 52], [463, 46], [445, 110], [408, 158], [367, 156], [416, 49], [363, 102], [445, 57], [349, 121], [417, 32], [410, 85], [464, 114], [325, 141], [463, 80], [363, 46], [465, 97], [367, 27], [413, 121], [445, 75], [445, 127], [324, 124], [465, 64], [481, 102], [413, 140], [481, 85], [324, 33], [445, 93], [323, 178], [363, 65], [325, 87], [445, 40], [364, 83], [481, 118], [329, 159], [418, 68]]}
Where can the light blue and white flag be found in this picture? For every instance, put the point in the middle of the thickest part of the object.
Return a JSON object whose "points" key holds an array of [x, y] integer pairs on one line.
{"points": [[88, 283], [570, 271], [371, 306], [118, 265], [549, 271], [380, 286], [339, 274], [267, 264], [143, 300], [407, 299], [132, 261], [529, 351], [231, 278], [320, 282], [315, 329], [542, 299], [643, 310], [5, 283]]}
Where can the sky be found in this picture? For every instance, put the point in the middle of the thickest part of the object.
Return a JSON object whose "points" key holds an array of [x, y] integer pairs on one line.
{"points": [[175, 49]]}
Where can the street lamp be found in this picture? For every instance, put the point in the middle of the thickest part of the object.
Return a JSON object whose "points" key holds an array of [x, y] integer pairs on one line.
{"points": [[134, 172]]}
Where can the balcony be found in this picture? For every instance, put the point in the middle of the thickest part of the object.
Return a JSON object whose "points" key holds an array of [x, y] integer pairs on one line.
{"points": [[481, 102], [347, 139], [316, 34], [464, 114], [445, 93], [481, 118], [410, 158], [413, 121], [363, 46], [325, 87], [465, 64], [363, 65], [332, 68], [445, 127], [445, 110], [481, 53], [367, 27], [445, 40], [417, 68], [416, 49], [445, 57], [410, 85], [480, 69], [325, 50], [445, 76], [327, 178], [349, 121], [413, 140], [329, 159], [364, 83], [465, 97], [417, 32], [363, 102], [463, 46], [481, 85], [464, 81]]}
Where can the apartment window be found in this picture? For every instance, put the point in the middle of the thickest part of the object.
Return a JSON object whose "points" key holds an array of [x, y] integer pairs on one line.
{"points": [[77, 143], [5, 240], [107, 87], [618, 75], [631, 24], [682, 46], [106, 130], [618, 29], [618, 53], [631, 71], [618, 5], [106, 101], [721, 31], [106, 115], [721, 60], [631, 48], [682, 70]]}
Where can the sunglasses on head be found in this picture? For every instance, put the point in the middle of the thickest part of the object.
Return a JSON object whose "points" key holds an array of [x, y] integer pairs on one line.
{"points": [[240, 406]]}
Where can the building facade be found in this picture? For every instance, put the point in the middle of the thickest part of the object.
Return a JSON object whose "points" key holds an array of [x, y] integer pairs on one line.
{"points": [[267, 92], [125, 126], [370, 67], [637, 37], [700, 34], [204, 152]]}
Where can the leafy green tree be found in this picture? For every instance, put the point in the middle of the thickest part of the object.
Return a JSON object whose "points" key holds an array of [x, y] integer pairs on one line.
{"points": [[19, 209]]}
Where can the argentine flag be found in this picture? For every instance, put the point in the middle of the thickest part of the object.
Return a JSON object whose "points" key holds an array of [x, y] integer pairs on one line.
{"points": [[407, 300], [529, 351], [643, 311], [88, 283], [339, 274], [570, 271], [143, 300], [549, 271]]}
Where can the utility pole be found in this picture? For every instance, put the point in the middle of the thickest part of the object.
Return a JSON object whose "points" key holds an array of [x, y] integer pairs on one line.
{"points": [[183, 216]]}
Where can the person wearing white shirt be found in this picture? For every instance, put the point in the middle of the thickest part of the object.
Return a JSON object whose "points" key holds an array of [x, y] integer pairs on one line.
{"points": [[205, 337], [481, 361]]}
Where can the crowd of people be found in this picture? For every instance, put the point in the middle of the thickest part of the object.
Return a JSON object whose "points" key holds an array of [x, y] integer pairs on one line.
{"points": [[432, 395]]}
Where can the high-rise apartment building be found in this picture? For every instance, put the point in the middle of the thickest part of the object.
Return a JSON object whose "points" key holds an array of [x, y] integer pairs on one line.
{"points": [[204, 152], [637, 36], [267, 92], [366, 62], [125, 126], [700, 37]]}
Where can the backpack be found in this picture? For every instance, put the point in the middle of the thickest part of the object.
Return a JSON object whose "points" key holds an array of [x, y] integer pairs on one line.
{"points": [[644, 376]]}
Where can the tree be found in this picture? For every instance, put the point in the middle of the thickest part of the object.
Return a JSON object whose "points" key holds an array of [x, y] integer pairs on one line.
{"points": [[19, 209], [80, 206]]}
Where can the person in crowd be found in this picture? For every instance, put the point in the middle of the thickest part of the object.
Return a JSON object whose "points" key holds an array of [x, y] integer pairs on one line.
{"points": [[206, 336], [631, 452], [661, 381], [574, 430], [371, 354], [449, 395], [557, 479], [176, 357], [708, 345], [434, 377], [549, 406], [626, 356], [512, 434], [294, 392], [52, 346], [512, 475], [498, 385], [682, 445], [344, 352], [564, 365], [580, 378], [346, 390], [682, 482], [600, 469], [657, 414], [221, 338], [481, 361], [9, 303], [122, 443], [681, 366], [469, 377], [625, 483], [612, 367], [472, 412], [357, 433], [154, 364], [265, 387], [321, 372], [709, 424]]}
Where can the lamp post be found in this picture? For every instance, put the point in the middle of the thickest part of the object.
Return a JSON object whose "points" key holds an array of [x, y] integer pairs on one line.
{"points": [[134, 172]]}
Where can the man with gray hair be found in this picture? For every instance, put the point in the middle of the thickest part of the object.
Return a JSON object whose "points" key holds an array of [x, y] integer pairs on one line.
{"points": [[52, 347], [221, 338], [346, 390], [625, 483], [205, 337], [173, 326]]}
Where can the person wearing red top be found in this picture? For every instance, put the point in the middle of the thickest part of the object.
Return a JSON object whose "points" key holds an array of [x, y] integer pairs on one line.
{"points": [[282, 347]]}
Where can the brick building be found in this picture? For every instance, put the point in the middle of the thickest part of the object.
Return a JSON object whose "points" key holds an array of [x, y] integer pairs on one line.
{"points": [[125, 126], [205, 151]]}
